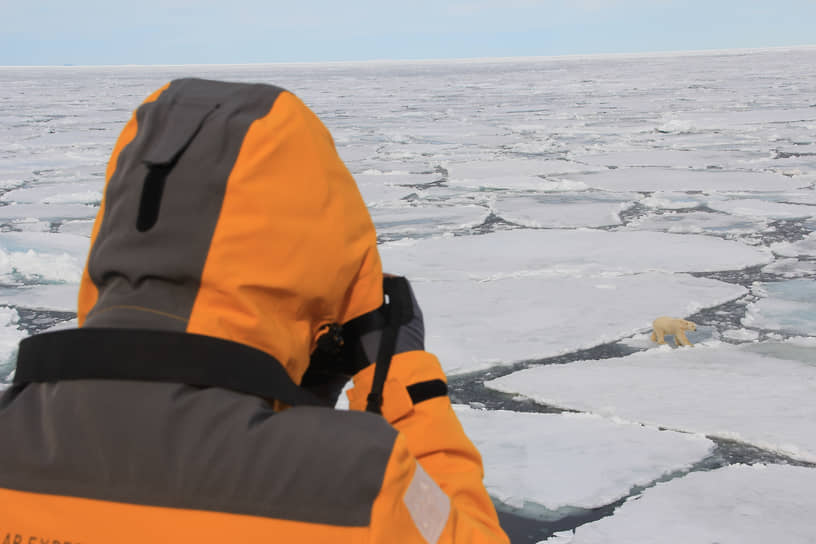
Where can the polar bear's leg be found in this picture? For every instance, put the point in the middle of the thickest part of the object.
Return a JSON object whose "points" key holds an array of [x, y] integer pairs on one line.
{"points": [[657, 336], [680, 338], [654, 338]]}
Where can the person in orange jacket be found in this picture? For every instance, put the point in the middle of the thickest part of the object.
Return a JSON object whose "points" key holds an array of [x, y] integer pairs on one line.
{"points": [[233, 285]]}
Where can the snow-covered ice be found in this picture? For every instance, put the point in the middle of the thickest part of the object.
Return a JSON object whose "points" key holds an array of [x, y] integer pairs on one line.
{"points": [[524, 454], [560, 211], [537, 317], [667, 179], [584, 252], [715, 389], [787, 306], [733, 505]]}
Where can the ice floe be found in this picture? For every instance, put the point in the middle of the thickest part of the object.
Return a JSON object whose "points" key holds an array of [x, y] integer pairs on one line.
{"points": [[526, 456], [473, 325], [426, 219], [565, 252], [667, 179], [763, 208], [791, 268], [715, 389], [737, 504], [806, 247], [787, 306], [698, 222], [59, 258], [57, 193], [56, 297], [559, 211]]}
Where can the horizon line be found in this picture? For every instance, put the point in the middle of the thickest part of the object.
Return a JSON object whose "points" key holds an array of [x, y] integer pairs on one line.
{"points": [[567, 56]]}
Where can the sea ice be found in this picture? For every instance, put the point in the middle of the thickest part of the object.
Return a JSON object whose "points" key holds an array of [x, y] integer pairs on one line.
{"points": [[737, 504], [59, 257], [672, 200], [671, 179], [763, 208], [10, 336], [805, 248], [788, 306], [426, 219], [715, 389], [57, 297], [52, 212], [557, 211], [551, 461], [565, 252], [666, 158], [537, 317], [56, 193], [697, 222], [791, 268]]}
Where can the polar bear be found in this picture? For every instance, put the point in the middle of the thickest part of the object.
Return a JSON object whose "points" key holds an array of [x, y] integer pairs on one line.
{"points": [[673, 327]]}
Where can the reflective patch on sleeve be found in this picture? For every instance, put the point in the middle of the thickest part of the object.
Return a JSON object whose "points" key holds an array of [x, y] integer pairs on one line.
{"points": [[428, 505]]}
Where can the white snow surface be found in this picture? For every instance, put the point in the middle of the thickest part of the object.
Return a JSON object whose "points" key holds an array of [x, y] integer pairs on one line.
{"points": [[698, 222], [518, 253], [805, 247], [664, 179], [524, 454], [714, 389], [787, 306], [532, 210], [537, 317], [738, 504], [763, 208]]}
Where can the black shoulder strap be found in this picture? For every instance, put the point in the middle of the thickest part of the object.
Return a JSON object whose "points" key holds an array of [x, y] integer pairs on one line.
{"points": [[398, 300], [156, 356]]}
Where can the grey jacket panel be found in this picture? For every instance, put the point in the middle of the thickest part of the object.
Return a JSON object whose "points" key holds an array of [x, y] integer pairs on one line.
{"points": [[207, 449], [164, 199]]}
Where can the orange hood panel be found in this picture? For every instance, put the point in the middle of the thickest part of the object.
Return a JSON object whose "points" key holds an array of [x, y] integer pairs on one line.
{"points": [[258, 234]]}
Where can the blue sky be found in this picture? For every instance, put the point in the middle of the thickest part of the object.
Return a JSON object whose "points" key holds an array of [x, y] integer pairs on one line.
{"points": [[56, 32]]}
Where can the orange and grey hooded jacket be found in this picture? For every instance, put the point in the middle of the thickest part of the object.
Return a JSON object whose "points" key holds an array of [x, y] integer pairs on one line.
{"points": [[229, 235]]}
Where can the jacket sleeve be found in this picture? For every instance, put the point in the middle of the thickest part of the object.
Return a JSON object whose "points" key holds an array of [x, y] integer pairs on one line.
{"points": [[434, 437]]}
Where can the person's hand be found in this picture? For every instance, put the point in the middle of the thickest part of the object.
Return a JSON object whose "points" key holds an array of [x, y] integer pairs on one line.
{"points": [[344, 350], [368, 328]]}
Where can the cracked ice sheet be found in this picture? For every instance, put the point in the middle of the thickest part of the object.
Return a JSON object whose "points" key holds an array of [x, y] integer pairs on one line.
{"points": [[697, 222], [525, 455], [426, 219], [668, 179], [518, 174], [557, 211], [56, 297], [528, 252], [715, 389], [474, 325], [763, 208], [57, 193], [52, 212], [667, 158], [58, 257], [791, 268], [741, 504], [805, 248], [788, 306], [669, 200]]}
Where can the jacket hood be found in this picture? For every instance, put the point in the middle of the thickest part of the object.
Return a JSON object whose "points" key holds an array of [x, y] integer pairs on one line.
{"points": [[228, 213]]}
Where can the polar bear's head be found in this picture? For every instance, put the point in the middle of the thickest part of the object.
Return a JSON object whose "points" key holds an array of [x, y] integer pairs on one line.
{"points": [[689, 325]]}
